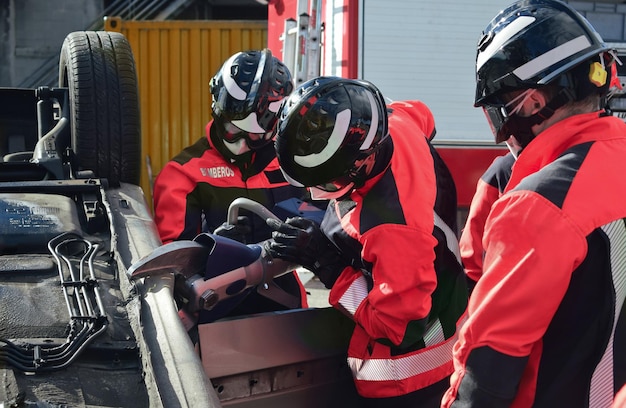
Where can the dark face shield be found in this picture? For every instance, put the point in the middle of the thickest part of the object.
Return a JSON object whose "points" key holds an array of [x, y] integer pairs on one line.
{"points": [[499, 115], [233, 134], [497, 118]]}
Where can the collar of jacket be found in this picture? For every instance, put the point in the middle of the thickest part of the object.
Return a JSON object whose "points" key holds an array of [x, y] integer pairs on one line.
{"points": [[553, 141]]}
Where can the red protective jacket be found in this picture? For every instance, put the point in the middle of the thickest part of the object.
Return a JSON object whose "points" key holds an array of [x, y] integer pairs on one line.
{"points": [[193, 191], [488, 189], [409, 294], [546, 325]]}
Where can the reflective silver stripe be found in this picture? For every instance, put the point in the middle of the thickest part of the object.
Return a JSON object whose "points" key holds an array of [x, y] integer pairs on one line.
{"points": [[552, 57], [229, 82], [601, 390], [342, 123], [371, 133], [503, 36], [434, 334], [383, 369], [452, 240], [355, 295]]}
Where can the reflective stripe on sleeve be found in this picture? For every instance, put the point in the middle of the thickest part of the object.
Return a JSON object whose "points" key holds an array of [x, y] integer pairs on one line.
{"points": [[601, 389], [354, 296]]}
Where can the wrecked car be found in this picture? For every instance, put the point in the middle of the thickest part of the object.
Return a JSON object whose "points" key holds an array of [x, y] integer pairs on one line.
{"points": [[88, 310]]}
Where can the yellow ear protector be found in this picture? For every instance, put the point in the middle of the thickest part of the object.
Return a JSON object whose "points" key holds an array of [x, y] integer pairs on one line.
{"points": [[597, 74]]}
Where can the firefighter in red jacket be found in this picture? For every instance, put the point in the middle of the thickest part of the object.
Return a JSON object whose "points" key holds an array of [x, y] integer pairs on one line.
{"points": [[546, 325], [489, 188], [193, 191], [387, 247]]}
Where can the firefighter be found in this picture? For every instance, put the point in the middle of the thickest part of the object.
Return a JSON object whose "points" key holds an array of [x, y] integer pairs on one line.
{"points": [[235, 159], [387, 246], [489, 188], [546, 326]]}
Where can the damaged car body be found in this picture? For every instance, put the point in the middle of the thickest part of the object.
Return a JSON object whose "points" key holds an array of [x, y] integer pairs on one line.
{"points": [[85, 318]]}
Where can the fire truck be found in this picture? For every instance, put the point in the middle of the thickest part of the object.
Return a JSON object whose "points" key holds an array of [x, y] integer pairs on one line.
{"points": [[415, 50]]}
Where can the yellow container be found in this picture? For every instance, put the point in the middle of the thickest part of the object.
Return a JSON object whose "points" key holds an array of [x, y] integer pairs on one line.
{"points": [[175, 61]]}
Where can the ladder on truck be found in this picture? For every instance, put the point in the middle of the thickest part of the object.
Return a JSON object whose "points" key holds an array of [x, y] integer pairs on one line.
{"points": [[301, 41]]}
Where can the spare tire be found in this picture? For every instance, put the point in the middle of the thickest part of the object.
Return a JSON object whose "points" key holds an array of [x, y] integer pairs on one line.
{"points": [[99, 69]]}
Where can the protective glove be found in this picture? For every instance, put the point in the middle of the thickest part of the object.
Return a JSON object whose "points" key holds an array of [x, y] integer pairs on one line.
{"points": [[237, 232], [300, 240]]}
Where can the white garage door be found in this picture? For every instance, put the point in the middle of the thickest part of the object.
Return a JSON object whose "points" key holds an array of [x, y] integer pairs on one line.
{"points": [[422, 49]]}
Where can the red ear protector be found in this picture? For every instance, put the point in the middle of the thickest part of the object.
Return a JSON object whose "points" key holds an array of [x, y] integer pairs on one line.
{"points": [[615, 81]]}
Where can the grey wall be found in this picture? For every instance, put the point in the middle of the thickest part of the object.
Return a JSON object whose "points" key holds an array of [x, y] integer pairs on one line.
{"points": [[32, 31], [607, 18]]}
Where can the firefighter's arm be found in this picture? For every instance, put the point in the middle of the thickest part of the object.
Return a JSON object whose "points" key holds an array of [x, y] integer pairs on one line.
{"points": [[488, 190], [175, 215], [470, 242], [526, 274], [396, 307]]}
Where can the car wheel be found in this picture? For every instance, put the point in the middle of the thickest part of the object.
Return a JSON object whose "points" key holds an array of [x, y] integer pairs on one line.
{"points": [[99, 69]]}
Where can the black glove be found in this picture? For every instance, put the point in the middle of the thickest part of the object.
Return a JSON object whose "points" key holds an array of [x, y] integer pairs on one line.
{"points": [[300, 240], [237, 232]]}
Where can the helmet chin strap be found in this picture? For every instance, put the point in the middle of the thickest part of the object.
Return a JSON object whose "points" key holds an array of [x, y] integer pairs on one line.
{"points": [[514, 147]]}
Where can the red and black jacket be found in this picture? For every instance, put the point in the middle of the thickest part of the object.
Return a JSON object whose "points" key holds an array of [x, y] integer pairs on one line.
{"points": [[406, 290], [546, 324], [193, 191], [192, 194]]}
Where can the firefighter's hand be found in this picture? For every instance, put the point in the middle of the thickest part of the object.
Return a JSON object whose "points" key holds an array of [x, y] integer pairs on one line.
{"points": [[300, 240], [237, 232]]}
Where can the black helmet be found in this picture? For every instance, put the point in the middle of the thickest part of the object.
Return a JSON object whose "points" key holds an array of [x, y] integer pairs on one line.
{"points": [[533, 43], [326, 127], [247, 92]]}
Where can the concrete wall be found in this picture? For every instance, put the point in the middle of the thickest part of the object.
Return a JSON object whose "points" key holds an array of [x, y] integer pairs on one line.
{"points": [[32, 31], [6, 41]]}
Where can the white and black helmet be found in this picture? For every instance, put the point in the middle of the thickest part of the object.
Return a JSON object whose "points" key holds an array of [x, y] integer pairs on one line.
{"points": [[325, 127], [247, 92], [531, 44]]}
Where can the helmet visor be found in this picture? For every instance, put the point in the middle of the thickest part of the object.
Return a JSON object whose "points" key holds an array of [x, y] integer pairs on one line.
{"points": [[335, 185], [497, 118], [499, 112], [319, 194], [233, 133], [344, 182]]}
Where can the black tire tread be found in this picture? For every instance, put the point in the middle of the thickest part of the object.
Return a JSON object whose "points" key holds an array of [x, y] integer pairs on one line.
{"points": [[99, 69]]}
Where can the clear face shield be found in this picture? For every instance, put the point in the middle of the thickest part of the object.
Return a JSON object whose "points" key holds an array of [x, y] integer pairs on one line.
{"points": [[233, 133], [514, 146], [333, 189], [251, 132], [498, 114], [344, 184], [241, 136]]}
